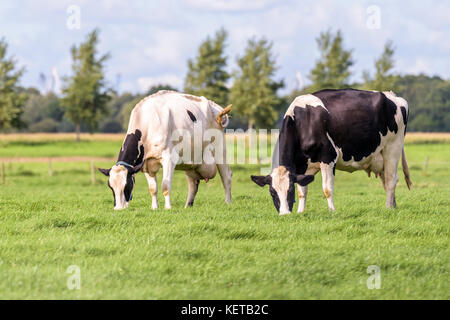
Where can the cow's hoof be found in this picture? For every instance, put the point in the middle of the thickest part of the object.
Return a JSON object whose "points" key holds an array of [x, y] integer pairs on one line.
{"points": [[284, 213]]}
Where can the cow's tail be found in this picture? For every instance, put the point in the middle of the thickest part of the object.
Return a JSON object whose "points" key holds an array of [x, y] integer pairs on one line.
{"points": [[406, 170]]}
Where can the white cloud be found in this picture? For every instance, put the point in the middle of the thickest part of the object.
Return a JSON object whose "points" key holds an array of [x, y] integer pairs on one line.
{"points": [[230, 5], [167, 48], [150, 41], [419, 65]]}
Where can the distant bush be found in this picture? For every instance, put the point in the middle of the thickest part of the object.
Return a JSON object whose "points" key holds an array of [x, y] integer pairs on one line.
{"points": [[45, 125]]}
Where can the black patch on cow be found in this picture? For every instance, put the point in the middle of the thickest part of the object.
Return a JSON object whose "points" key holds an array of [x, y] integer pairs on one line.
{"points": [[191, 115], [312, 126], [275, 198], [289, 150], [355, 120], [405, 116], [291, 193], [130, 152], [129, 187]]}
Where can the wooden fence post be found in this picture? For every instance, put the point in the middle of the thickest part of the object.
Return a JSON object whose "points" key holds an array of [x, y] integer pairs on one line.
{"points": [[92, 172], [50, 169], [3, 172]]}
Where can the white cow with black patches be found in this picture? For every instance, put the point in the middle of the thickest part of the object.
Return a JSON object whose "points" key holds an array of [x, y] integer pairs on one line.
{"points": [[338, 129], [150, 145]]}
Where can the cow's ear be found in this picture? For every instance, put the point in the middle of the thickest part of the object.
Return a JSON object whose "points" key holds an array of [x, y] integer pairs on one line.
{"points": [[104, 171], [137, 168], [304, 180], [261, 180]]}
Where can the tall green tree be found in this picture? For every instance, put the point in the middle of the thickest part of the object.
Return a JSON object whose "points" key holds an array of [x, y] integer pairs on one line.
{"points": [[332, 69], [12, 97], [254, 91], [207, 75], [383, 80], [85, 93]]}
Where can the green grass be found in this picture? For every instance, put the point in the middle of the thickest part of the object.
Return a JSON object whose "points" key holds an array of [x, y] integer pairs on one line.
{"points": [[214, 251], [108, 147], [51, 148]]}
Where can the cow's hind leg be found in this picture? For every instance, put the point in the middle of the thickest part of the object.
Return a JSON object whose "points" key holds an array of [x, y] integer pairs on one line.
{"points": [[383, 181], [168, 169], [225, 175], [153, 188], [327, 171], [391, 157], [192, 190]]}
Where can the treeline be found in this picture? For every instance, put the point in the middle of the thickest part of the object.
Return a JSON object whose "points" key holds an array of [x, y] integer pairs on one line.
{"points": [[88, 104]]}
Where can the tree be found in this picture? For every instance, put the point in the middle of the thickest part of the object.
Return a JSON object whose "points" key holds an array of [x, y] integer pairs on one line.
{"points": [[12, 97], [383, 80], [206, 75], [42, 113], [113, 122], [254, 91], [159, 87], [85, 94], [332, 70]]}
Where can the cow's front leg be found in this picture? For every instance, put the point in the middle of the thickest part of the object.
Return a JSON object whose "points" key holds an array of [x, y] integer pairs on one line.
{"points": [[302, 192], [192, 190], [168, 169], [327, 171], [225, 175], [153, 188]]}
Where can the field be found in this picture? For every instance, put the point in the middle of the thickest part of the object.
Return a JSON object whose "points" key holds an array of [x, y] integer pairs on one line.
{"points": [[213, 251]]}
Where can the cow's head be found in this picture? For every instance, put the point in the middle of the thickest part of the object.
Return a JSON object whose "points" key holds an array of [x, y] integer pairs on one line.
{"points": [[282, 187], [121, 182]]}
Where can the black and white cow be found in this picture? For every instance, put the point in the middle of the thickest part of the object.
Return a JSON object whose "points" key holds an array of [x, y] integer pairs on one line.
{"points": [[337, 129], [149, 145]]}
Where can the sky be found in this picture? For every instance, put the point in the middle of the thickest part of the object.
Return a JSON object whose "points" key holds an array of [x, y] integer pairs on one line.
{"points": [[151, 41]]}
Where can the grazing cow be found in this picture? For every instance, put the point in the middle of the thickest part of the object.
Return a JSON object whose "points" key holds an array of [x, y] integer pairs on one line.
{"points": [[156, 125], [337, 129]]}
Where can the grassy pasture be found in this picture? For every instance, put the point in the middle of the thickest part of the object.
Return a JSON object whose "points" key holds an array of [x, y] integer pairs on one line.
{"points": [[212, 250], [107, 145]]}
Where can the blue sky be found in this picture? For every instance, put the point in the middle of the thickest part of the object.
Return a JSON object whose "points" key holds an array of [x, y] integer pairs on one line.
{"points": [[150, 41]]}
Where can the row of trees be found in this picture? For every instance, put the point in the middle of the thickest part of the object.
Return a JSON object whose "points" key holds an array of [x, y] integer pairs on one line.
{"points": [[88, 104], [254, 90]]}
